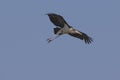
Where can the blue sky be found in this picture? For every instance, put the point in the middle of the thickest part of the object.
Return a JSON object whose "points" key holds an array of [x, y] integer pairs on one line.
{"points": [[25, 54]]}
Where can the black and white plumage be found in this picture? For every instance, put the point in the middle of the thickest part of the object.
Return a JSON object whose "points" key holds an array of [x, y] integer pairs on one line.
{"points": [[62, 27]]}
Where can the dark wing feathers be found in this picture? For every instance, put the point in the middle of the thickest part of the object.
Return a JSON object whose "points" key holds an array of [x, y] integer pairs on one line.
{"points": [[82, 36], [56, 30], [57, 20]]}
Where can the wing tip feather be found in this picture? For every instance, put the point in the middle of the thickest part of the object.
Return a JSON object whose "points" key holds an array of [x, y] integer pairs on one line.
{"points": [[87, 39]]}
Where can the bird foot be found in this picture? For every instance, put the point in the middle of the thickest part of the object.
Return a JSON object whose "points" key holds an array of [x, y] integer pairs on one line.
{"points": [[49, 40]]}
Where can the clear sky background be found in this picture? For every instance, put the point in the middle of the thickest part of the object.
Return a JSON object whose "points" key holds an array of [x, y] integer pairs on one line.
{"points": [[26, 55]]}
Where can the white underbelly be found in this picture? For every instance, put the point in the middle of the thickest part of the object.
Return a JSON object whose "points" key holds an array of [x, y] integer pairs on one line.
{"points": [[65, 29]]}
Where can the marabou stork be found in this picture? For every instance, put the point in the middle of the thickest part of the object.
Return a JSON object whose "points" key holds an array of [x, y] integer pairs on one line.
{"points": [[62, 27]]}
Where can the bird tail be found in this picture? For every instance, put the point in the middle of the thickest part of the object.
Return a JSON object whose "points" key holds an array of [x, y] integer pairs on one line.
{"points": [[56, 30]]}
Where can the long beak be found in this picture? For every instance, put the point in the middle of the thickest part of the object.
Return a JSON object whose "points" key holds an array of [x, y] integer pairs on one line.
{"points": [[51, 39]]}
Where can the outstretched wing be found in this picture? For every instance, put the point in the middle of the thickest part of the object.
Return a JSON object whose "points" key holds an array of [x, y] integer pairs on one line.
{"points": [[82, 36], [57, 19]]}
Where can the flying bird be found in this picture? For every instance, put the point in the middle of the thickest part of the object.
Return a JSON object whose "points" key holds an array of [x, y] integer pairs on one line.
{"points": [[62, 27]]}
